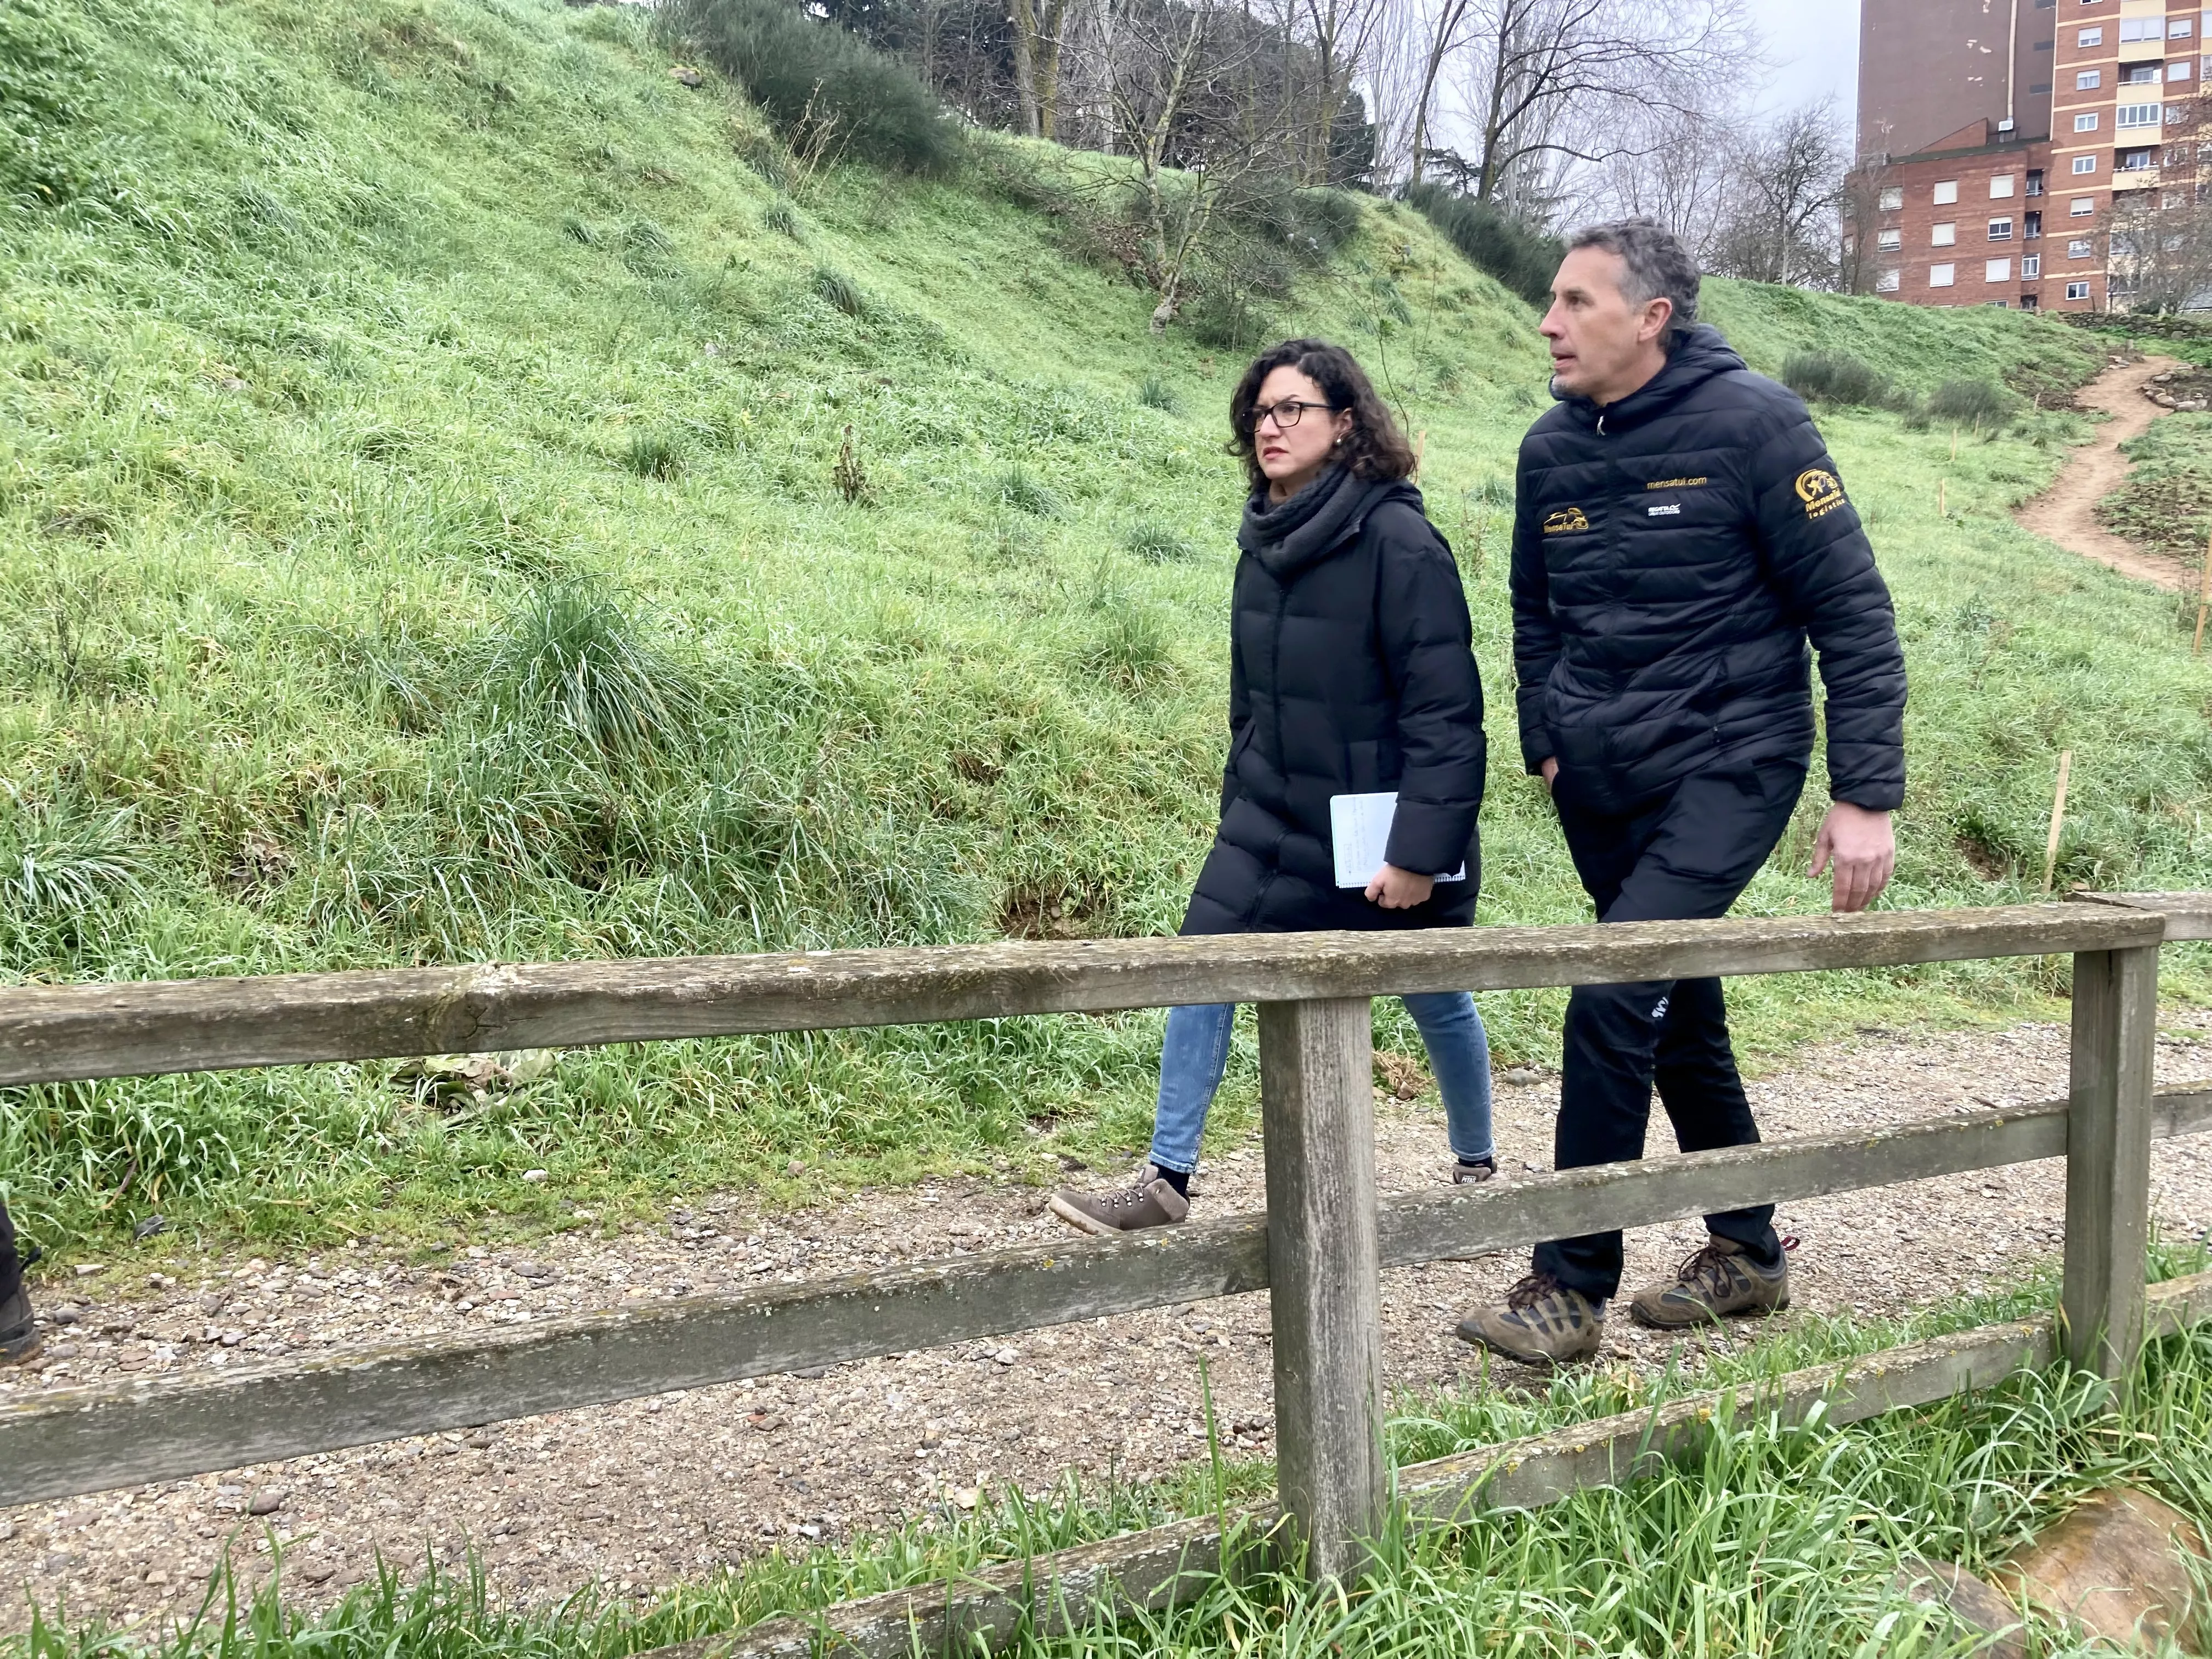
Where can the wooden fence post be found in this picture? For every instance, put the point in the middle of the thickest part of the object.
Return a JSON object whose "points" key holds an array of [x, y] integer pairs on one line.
{"points": [[2108, 1157], [1324, 1263]]}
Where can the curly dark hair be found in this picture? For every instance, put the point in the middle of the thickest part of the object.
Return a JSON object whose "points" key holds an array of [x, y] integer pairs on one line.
{"points": [[1374, 449]]}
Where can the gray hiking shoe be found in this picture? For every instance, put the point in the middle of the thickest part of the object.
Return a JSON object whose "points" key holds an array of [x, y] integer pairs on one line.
{"points": [[19, 1338], [1721, 1278], [1468, 1175], [1542, 1322], [1150, 1203]]}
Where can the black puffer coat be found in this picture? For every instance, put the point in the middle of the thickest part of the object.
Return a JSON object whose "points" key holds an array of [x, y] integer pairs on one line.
{"points": [[1352, 670], [1671, 556]]}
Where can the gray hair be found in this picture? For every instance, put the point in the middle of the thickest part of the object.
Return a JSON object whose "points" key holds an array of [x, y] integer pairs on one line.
{"points": [[1659, 268]]}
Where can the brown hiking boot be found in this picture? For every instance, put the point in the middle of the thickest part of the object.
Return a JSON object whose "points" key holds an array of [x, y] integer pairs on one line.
{"points": [[1542, 1323], [1721, 1278], [19, 1338], [1151, 1203]]}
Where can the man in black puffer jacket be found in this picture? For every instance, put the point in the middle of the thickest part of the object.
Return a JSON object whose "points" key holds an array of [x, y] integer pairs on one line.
{"points": [[1680, 535]]}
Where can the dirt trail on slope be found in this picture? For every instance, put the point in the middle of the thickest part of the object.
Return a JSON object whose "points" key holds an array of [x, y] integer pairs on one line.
{"points": [[2067, 512], [652, 1492]]}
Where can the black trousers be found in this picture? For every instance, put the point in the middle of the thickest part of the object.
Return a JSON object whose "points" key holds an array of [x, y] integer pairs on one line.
{"points": [[1685, 855], [11, 1263]]}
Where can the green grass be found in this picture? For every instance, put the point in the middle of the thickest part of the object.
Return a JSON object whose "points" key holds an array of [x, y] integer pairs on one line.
{"points": [[448, 512], [1766, 1540]]}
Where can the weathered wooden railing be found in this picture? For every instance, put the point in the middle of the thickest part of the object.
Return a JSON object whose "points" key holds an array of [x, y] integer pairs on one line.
{"points": [[1318, 1250]]}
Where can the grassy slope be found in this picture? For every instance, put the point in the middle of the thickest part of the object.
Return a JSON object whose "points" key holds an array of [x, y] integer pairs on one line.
{"points": [[409, 356]]}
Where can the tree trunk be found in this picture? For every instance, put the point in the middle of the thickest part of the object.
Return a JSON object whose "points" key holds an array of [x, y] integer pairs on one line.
{"points": [[1025, 33]]}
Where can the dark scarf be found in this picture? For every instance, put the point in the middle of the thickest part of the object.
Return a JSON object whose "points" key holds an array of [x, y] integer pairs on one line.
{"points": [[1287, 536]]}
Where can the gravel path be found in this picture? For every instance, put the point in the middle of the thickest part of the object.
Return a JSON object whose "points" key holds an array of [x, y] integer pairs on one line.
{"points": [[2067, 512], [645, 1493]]}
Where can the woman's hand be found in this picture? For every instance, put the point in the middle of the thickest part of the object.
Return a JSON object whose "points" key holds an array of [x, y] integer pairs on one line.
{"points": [[1398, 890]]}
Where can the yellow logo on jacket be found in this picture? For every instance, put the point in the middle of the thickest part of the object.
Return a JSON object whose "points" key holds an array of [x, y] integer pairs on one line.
{"points": [[1565, 521], [1820, 490]]}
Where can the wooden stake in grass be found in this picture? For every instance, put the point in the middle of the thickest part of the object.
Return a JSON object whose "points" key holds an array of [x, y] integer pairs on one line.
{"points": [[1954, 443], [2203, 599], [2057, 818], [1939, 482], [1420, 446]]}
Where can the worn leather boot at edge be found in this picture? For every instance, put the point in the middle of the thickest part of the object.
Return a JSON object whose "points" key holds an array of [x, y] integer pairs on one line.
{"points": [[1542, 1323]]}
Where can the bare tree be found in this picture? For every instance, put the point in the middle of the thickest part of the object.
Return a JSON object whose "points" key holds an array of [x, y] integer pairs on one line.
{"points": [[1196, 121], [1038, 25], [2158, 240], [1550, 83], [1783, 223]]}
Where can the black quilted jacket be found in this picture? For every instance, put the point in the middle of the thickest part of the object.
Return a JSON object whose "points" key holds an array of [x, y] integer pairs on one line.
{"points": [[1350, 672], [1671, 555]]}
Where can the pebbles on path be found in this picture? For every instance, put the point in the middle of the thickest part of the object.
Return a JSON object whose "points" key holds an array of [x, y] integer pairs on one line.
{"points": [[643, 1493]]}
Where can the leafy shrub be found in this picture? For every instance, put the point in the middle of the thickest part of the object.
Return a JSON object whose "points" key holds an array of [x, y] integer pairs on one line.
{"points": [[1835, 377], [1518, 254], [569, 653], [1158, 543], [1156, 393], [839, 290], [818, 83], [1969, 403]]}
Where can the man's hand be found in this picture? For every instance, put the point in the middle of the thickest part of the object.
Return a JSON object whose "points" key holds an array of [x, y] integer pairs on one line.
{"points": [[1863, 849], [1551, 771], [1398, 890]]}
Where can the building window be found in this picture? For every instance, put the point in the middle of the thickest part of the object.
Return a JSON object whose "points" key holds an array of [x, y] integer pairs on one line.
{"points": [[2031, 267], [2088, 79], [2136, 161], [2034, 227], [1943, 275], [2000, 185], [2035, 176], [1942, 235], [2080, 247], [2083, 207], [1891, 199], [1888, 241], [2090, 38], [2000, 230], [2173, 114], [1996, 271], [1946, 192], [1997, 304], [2140, 75], [2142, 28], [2179, 28], [2028, 302], [2177, 71], [1888, 282], [2135, 115], [2086, 121], [2084, 164], [2077, 290]]}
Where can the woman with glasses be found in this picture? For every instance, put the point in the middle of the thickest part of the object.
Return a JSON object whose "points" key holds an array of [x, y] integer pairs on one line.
{"points": [[1353, 680]]}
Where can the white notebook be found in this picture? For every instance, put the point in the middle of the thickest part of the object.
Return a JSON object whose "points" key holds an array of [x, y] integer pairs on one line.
{"points": [[1359, 831]]}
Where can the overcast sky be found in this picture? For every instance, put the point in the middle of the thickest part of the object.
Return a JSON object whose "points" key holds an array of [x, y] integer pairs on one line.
{"points": [[1815, 46]]}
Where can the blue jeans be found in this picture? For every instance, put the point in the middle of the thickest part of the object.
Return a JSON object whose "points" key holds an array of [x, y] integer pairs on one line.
{"points": [[1197, 1054]]}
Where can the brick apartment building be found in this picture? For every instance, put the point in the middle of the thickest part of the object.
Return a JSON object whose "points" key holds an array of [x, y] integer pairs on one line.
{"points": [[2002, 141]]}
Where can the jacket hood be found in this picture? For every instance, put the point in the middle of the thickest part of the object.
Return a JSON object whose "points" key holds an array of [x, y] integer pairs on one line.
{"points": [[1703, 352]]}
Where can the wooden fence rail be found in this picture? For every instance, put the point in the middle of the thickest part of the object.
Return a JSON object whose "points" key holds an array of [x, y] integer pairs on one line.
{"points": [[1318, 1250]]}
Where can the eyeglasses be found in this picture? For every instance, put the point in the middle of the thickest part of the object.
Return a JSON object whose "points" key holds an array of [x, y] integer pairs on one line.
{"points": [[1286, 412]]}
